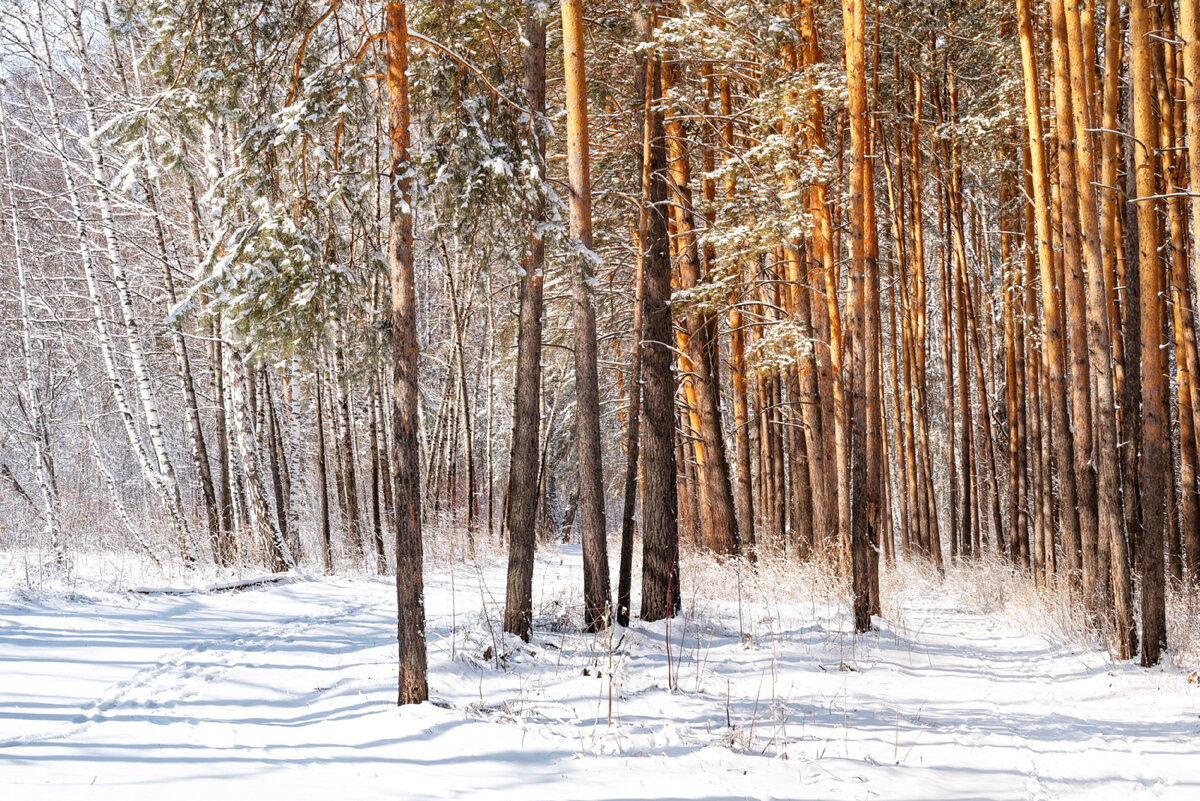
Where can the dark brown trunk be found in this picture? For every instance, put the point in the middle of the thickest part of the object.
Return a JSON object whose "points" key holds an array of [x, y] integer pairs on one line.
{"points": [[660, 532], [521, 507]]}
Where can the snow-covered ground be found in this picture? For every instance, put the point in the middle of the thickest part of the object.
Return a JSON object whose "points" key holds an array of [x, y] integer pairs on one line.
{"points": [[286, 691]]}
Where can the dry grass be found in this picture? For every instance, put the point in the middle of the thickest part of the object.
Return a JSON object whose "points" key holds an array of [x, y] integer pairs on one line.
{"points": [[987, 586], [992, 586], [1183, 626], [774, 577]]}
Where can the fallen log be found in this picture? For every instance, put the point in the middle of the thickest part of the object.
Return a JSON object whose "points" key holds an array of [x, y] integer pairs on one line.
{"points": [[224, 586]]}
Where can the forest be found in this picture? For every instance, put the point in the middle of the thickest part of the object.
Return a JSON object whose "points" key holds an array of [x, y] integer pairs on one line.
{"points": [[554, 359]]}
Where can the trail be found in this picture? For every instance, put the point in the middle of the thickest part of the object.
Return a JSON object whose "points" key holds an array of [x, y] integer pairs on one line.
{"points": [[286, 691]]}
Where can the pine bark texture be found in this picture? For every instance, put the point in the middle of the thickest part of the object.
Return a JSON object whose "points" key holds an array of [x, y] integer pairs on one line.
{"points": [[413, 685]]}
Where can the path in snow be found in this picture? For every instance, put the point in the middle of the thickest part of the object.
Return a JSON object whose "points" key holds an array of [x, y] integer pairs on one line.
{"points": [[286, 692]]}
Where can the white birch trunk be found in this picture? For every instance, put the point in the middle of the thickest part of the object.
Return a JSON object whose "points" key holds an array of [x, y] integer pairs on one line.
{"points": [[196, 445], [262, 524], [42, 470], [137, 355], [149, 470]]}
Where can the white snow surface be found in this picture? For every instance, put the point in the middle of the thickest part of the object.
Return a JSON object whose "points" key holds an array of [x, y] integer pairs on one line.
{"points": [[287, 691]]}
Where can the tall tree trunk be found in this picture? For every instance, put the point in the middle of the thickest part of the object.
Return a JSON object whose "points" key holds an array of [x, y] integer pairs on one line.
{"points": [[1099, 339], [322, 480], [116, 263], [216, 358], [661, 597], [347, 460], [825, 286], [1081, 555], [587, 390], [874, 496], [1052, 321], [275, 463], [42, 464], [1043, 557], [377, 511], [521, 508], [955, 297], [1189, 32], [720, 515], [410, 590], [930, 537], [853, 21], [644, 92], [198, 447], [464, 395], [985, 415], [1014, 378], [737, 350], [266, 535], [1181, 314], [958, 526], [1155, 416]]}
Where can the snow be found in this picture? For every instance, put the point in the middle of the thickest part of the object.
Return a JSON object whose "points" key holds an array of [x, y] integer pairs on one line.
{"points": [[285, 690]]}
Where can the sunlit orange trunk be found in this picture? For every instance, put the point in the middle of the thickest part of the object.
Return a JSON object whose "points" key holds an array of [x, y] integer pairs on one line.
{"points": [[720, 516], [1155, 417], [1052, 339]]}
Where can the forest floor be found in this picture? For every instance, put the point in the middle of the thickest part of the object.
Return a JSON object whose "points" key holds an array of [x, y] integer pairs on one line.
{"points": [[287, 690]]}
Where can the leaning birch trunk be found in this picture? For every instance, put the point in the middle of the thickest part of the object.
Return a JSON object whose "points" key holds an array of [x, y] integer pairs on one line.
{"points": [[376, 501], [110, 482], [116, 264], [198, 447], [151, 473], [348, 474], [265, 533], [42, 469]]}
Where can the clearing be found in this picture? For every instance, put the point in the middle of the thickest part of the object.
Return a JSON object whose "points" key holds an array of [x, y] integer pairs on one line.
{"points": [[286, 690]]}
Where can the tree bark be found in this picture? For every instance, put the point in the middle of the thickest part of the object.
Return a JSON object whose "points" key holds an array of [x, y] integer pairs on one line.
{"points": [[1189, 32], [1155, 434], [410, 592], [633, 423], [853, 21], [587, 390], [661, 597], [719, 513], [1052, 320], [523, 467]]}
